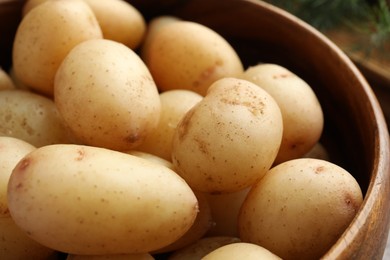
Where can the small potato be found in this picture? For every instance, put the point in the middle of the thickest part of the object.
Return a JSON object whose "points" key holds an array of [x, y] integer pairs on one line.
{"points": [[45, 36], [14, 243], [228, 140], [202, 247], [144, 256], [174, 105], [153, 28], [225, 208], [188, 55], [32, 118], [110, 202], [241, 250], [106, 95], [300, 208], [303, 119], [5, 80], [127, 27]]}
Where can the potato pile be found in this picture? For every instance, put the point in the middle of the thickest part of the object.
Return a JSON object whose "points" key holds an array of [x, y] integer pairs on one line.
{"points": [[132, 139]]}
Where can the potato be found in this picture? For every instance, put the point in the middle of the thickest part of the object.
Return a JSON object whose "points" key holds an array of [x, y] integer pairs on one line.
{"points": [[45, 36], [202, 247], [174, 105], [93, 201], [128, 27], [225, 208], [14, 243], [30, 4], [198, 229], [5, 80], [303, 118], [152, 158], [106, 95], [241, 250], [144, 256], [300, 208], [32, 118], [188, 55], [228, 140], [153, 27]]}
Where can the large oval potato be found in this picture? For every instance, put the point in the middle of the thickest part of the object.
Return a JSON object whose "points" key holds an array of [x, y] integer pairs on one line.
{"points": [[106, 95], [93, 201], [230, 139], [32, 118], [300, 208], [302, 114], [45, 36], [188, 55]]}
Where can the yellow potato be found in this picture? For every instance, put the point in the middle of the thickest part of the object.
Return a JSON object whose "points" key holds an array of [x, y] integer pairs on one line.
{"points": [[174, 105], [202, 247], [14, 243], [228, 140], [153, 28], [300, 208], [32, 118], [93, 201], [119, 21], [106, 95], [152, 158], [241, 250], [6, 81], [45, 36], [30, 4], [198, 229], [303, 119], [188, 55], [144, 256], [225, 208]]}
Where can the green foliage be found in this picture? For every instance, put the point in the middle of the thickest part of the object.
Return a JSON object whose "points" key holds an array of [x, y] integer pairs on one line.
{"points": [[369, 17]]}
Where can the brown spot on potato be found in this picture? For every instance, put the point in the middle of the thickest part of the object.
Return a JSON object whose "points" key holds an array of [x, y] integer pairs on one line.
{"points": [[23, 164], [255, 108], [351, 202], [282, 75], [132, 138], [319, 169], [80, 154], [202, 145], [184, 125]]}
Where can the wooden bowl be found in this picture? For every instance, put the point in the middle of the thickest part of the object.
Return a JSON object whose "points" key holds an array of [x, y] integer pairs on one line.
{"points": [[355, 131]]}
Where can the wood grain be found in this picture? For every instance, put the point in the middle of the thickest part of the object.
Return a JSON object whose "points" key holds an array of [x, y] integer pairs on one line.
{"points": [[355, 131]]}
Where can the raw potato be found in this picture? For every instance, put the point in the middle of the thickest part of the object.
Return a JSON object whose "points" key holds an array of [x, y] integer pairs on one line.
{"points": [[45, 36], [5, 80], [198, 229], [110, 202], [32, 118], [228, 140], [30, 4], [225, 208], [188, 55], [202, 247], [119, 21], [174, 105], [241, 250], [153, 28], [153, 158], [14, 243], [144, 256], [300, 208], [106, 95], [303, 119]]}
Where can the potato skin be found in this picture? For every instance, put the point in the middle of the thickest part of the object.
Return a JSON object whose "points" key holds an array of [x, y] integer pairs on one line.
{"points": [[106, 95], [45, 36], [303, 118], [241, 250], [228, 140], [188, 55], [100, 196], [299, 208], [32, 118]]}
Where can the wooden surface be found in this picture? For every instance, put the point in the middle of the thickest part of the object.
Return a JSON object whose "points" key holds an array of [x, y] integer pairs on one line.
{"points": [[355, 129]]}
